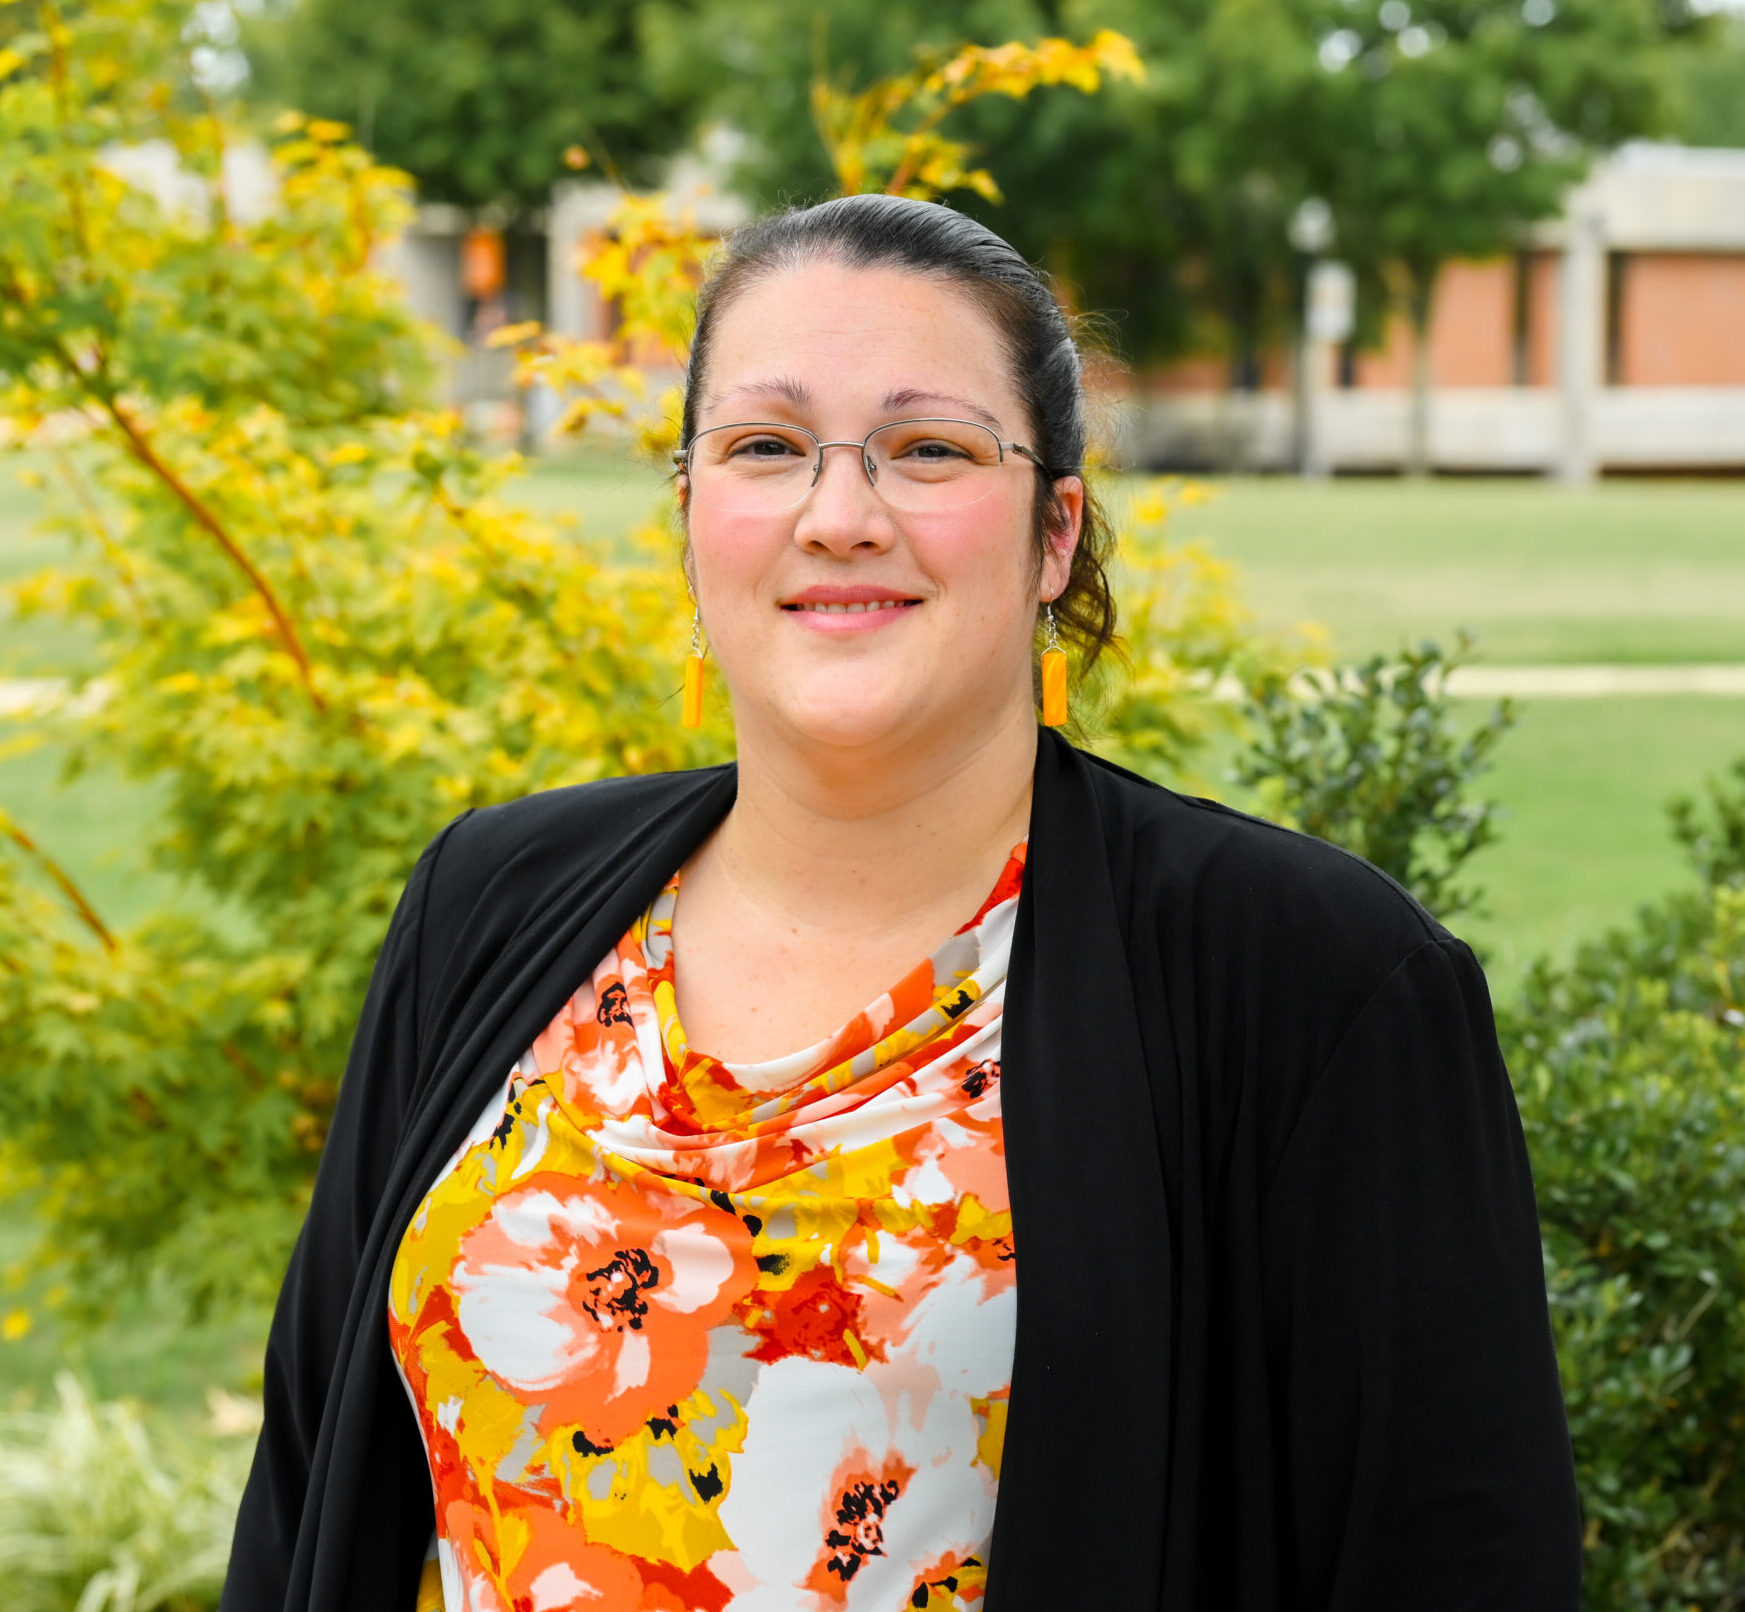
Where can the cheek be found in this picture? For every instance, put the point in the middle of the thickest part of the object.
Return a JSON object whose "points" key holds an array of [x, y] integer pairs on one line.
{"points": [[729, 551], [988, 560]]}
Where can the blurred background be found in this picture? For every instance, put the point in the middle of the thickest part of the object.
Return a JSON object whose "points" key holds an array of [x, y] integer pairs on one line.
{"points": [[337, 355]]}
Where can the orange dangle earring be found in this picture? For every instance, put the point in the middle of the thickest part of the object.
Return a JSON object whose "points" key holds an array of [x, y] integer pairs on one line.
{"points": [[691, 712], [1053, 675]]}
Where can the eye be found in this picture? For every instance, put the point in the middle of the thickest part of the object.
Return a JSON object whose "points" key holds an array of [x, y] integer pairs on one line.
{"points": [[933, 448], [767, 447], [936, 447]]}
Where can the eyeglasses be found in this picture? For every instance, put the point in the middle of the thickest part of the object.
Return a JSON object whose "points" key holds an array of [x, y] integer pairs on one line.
{"points": [[917, 466]]}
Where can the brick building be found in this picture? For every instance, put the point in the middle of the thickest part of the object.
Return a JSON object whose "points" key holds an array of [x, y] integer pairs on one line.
{"points": [[1613, 340]]}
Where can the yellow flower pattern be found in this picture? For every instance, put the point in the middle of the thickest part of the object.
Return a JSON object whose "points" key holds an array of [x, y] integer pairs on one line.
{"points": [[688, 1334]]}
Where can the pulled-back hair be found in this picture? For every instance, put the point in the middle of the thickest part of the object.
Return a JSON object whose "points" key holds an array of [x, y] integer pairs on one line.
{"points": [[876, 231]]}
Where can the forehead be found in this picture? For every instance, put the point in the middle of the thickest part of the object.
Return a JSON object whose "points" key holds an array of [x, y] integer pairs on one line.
{"points": [[826, 338]]}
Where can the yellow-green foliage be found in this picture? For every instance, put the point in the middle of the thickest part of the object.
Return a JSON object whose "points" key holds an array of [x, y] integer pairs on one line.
{"points": [[100, 1512], [324, 628], [887, 137], [321, 627]]}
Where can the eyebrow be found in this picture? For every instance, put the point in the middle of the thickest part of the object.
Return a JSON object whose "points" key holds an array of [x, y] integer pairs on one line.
{"points": [[799, 395], [789, 391], [905, 396]]}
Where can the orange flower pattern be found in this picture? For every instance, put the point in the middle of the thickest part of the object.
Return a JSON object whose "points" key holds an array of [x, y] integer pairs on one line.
{"points": [[688, 1334]]}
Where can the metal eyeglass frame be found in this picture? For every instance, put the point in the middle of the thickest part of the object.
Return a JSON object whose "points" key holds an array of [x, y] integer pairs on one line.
{"points": [[682, 456]]}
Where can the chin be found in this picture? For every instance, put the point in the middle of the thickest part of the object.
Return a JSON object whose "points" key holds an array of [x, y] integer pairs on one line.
{"points": [[853, 723]]}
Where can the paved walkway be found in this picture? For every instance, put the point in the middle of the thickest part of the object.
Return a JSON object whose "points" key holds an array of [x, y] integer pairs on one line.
{"points": [[21, 696], [1585, 682], [27, 696]]}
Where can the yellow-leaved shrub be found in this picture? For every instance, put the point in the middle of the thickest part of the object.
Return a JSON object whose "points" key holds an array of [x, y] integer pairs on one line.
{"points": [[324, 626]]}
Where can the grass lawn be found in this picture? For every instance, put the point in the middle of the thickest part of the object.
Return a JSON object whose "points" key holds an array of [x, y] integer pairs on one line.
{"points": [[1625, 571], [1585, 839], [152, 1351], [89, 827], [38, 645], [607, 496]]}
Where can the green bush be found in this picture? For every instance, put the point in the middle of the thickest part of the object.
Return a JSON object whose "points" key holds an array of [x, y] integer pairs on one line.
{"points": [[1629, 1066], [1370, 758], [101, 1513]]}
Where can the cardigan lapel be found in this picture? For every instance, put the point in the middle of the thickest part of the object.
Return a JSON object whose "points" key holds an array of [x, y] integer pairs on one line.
{"points": [[533, 969], [1083, 1477]]}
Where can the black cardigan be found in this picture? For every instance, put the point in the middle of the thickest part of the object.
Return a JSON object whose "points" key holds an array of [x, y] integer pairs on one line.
{"points": [[1282, 1336]]}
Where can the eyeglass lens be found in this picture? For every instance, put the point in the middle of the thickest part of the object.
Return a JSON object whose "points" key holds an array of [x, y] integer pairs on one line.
{"points": [[916, 465]]}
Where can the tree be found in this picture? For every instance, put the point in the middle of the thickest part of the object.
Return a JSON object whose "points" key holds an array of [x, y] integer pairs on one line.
{"points": [[478, 100], [323, 629], [1163, 202], [1448, 126], [1710, 75], [1435, 128]]}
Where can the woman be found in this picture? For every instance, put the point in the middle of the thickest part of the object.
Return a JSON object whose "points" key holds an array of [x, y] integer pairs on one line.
{"points": [[1162, 1238]]}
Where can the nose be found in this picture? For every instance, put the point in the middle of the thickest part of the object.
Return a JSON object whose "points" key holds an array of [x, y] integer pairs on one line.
{"points": [[842, 513]]}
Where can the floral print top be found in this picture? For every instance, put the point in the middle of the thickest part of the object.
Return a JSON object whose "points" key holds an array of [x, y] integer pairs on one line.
{"points": [[685, 1334]]}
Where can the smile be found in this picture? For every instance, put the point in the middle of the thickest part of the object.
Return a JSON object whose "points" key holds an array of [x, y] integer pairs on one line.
{"points": [[851, 609]]}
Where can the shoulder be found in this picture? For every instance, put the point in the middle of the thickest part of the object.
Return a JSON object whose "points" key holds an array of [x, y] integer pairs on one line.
{"points": [[1265, 949], [567, 826], [1250, 866], [1270, 909], [492, 866]]}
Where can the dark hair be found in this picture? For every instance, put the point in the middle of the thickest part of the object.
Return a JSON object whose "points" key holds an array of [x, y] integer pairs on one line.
{"points": [[926, 238]]}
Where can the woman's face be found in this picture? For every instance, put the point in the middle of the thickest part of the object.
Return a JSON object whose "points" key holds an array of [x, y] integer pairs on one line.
{"points": [[840, 351]]}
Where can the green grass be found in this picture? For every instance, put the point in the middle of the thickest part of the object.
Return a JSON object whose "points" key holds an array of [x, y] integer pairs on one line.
{"points": [[606, 496], [1585, 838], [39, 645], [91, 827], [1625, 571]]}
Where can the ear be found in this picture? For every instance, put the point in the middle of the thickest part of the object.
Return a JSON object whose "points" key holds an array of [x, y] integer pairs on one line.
{"points": [[1063, 540]]}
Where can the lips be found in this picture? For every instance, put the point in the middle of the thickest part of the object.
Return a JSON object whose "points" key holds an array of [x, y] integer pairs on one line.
{"points": [[853, 609], [841, 601]]}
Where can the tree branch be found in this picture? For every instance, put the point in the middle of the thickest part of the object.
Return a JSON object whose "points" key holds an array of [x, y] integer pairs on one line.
{"points": [[95, 383], [55, 32], [209, 523], [10, 829], [105, 538]]}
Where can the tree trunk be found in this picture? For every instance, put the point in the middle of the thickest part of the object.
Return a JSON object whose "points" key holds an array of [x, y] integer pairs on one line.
{"points": [[1420, 294]]}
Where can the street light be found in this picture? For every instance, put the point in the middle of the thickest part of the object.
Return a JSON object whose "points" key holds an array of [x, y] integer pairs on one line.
{"points": [[1329, 307], [1311, 226]]}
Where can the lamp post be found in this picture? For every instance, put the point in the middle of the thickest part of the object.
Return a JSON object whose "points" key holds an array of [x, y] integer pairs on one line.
{"points": [[1329, 300]]}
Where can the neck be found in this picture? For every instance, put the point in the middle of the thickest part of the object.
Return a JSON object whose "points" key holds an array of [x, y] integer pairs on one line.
{"points": [[840, 840]]}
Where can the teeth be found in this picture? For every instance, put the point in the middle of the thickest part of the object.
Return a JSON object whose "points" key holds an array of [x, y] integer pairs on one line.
{"points": [[844, 609]]}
